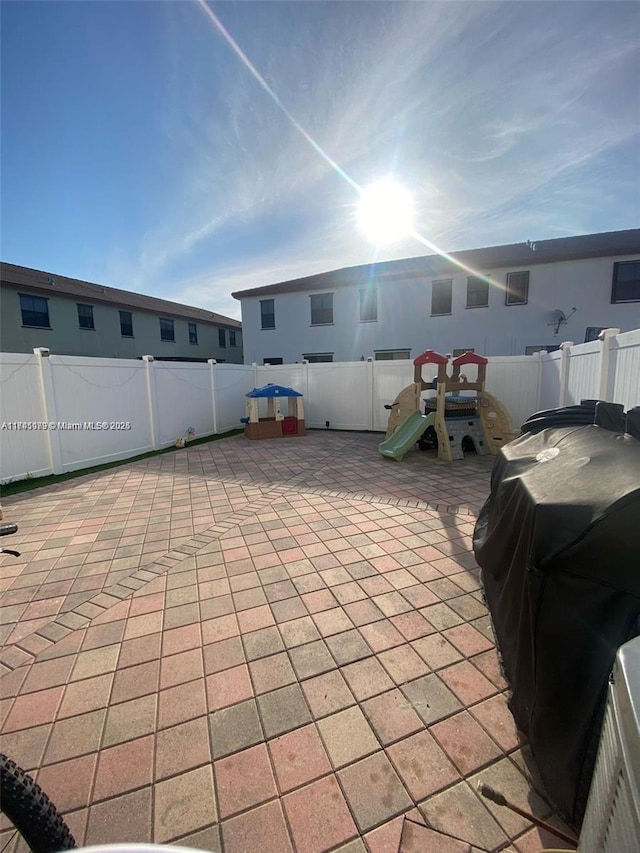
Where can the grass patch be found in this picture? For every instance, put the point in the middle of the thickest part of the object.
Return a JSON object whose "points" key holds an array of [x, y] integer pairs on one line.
{"points": [[28, 483]]}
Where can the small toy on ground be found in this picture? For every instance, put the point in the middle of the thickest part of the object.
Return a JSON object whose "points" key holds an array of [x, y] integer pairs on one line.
{"points": [[190, 434], [276, 424], [482, 419]]}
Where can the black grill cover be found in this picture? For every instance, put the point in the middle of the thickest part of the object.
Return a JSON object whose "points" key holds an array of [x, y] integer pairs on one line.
{"points": [[558, 541]]}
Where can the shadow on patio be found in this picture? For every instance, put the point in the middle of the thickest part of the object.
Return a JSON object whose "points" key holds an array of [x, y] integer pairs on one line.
{"points": [[272, 645]]}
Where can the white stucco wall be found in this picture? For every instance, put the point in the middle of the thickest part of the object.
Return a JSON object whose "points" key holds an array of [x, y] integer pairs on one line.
{"points": [[405, 321]]}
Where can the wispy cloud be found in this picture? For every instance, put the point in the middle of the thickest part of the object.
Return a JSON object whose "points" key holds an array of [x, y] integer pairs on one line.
{"points": [[483, 110]]}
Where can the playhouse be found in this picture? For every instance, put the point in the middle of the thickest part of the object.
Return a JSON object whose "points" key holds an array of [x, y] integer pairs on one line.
{"points": [[482, 419], [276, 423]]}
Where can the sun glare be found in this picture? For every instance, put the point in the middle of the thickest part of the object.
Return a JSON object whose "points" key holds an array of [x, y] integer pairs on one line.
{"points": [[385, 212]]}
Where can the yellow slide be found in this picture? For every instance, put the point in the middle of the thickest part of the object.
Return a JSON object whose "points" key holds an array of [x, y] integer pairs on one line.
{"points": [[409, 431]]}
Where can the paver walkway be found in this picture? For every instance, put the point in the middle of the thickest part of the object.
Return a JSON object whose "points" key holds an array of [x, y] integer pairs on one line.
{"points": [[276, 645]]}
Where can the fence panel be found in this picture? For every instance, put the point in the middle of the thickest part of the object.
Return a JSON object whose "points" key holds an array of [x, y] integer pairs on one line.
{"points": [[183, 399], [583, 372], [108, 391], [389, 379], [24, 452], [290, 375], [231, 383], [515, 381], [550, 380], [625, 357], [340, 393]]}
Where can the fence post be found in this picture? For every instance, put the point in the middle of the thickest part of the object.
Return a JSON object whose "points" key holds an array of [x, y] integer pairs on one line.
{"points": [[564, 371], [372, 397], [305, 387], [152, 399], [540, 353], [606, 339], [50, 411], [214, 408]]}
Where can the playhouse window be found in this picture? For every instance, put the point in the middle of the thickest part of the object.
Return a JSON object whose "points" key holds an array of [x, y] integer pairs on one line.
{"points": [[368, 306], [268, 313], [441, 297], [517, 288], [321, 309], [477, 292]]}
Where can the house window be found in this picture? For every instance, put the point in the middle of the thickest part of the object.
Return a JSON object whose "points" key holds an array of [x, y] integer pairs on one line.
{"points": [[543, 347], [316, 357], [35, 311], [391, 354], [592, 333], [85, 317], [126, 324], [458, 352], [232, 338], [626, 281], [517, 288], [441, 297], [167, 331], [477, 292], [222, 339], [268, 313], [368, 306], [322, 309], [193, 333], [272, 361]]}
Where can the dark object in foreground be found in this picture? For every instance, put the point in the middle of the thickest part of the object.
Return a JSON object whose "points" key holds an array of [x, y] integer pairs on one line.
{"points": [[31, 812], [500, 800], [558, 544]]}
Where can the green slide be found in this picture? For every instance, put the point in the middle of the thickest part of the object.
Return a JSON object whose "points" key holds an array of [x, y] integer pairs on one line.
{"points": [[403, 439]]}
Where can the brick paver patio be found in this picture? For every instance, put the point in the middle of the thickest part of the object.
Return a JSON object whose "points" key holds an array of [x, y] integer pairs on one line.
{"points": [[276, 645]]}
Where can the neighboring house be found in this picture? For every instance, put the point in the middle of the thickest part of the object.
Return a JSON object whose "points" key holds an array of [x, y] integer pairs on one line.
{"points": [[398, 309], [71, 317]]}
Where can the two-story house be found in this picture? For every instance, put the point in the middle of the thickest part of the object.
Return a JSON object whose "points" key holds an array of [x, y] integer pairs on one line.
{"points": [[501, 300], [72, 317]]}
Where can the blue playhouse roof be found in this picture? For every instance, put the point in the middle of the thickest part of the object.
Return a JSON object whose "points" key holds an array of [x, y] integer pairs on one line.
{"points": [[271, 390]]}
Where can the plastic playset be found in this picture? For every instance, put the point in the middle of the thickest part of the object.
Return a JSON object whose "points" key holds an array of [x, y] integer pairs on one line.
{"points": [[275, 424], [482, 419]]}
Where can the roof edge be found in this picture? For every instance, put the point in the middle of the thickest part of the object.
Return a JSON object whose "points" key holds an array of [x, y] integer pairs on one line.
{"points": [[10, 272], [585, 246]]}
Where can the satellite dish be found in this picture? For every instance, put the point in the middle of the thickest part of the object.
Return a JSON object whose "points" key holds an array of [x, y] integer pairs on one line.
{"points": [[559, 318]]}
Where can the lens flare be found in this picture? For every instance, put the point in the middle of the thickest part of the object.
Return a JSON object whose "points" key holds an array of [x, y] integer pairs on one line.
{"points": [[385, 212]]}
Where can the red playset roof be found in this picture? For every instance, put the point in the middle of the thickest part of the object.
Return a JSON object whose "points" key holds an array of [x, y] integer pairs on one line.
{"points": [[430, 357], [469, 358]]}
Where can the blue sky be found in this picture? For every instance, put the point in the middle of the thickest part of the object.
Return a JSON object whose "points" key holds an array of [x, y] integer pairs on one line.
{"points": [[140, 152]]}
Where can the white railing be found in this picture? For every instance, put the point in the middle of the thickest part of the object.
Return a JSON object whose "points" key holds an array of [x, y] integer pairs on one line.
{"points": [[62, 400]]}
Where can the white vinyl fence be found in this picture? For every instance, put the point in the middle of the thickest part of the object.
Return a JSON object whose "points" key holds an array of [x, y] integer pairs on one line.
{"points": [[64, 413]]}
